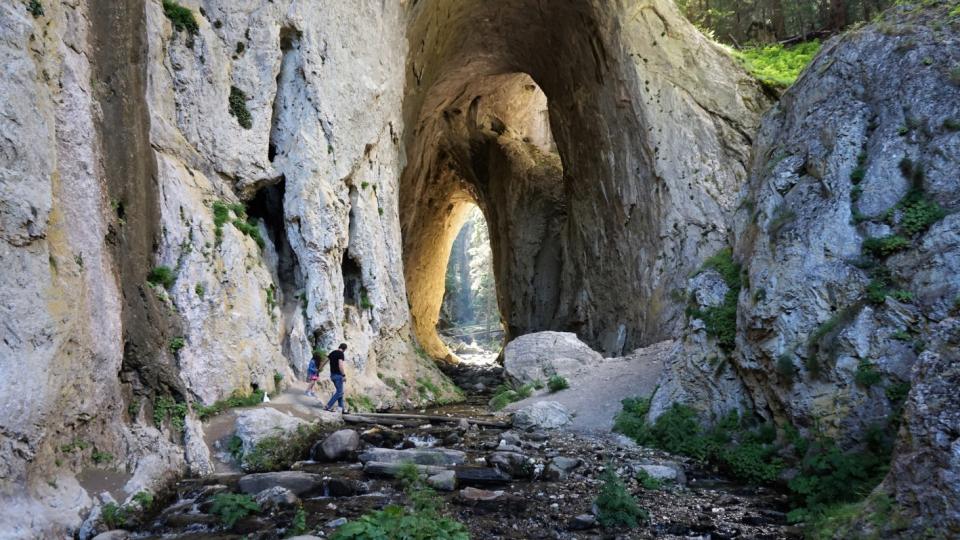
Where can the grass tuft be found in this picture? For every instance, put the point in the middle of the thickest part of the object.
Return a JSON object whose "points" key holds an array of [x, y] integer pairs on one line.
{"points": [[181, 17]]}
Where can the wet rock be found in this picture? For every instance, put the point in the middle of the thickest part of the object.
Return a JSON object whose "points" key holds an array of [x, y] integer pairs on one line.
{"points": [[582, 522], [509, 437], [474, 494], [513, 463], [117, 534], [377, 468], [482, 476], [419, 456], [276, 497], [539, 355], [444, 481], [305, 537], [337, 445], [504, 447], [297, 482], [381, 436], [543, 414], [463, 425], [452, 439], [343, 487], [560, 467], [334, 523]]}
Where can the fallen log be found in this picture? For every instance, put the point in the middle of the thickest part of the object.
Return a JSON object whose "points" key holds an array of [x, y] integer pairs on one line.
{"points": [[381, 418]]}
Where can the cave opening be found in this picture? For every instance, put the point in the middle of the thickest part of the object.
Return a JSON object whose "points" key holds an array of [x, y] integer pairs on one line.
{"points": [[470, 322]]}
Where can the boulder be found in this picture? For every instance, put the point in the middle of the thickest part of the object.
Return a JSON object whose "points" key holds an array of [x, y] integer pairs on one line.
{"points": [[560, 467], [337, 445], [254, 425], [665, 472], [582, 522], [513, 463], [277, 497], [377, 468], [542, 414], [420, 456], [474, 494], [538, 356], [117, 534], [295, 481], [381, 436], [481, 476], [444, 481]]}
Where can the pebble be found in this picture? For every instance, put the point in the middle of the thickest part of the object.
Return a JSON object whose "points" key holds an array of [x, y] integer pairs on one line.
{"points": [[334, 523]]}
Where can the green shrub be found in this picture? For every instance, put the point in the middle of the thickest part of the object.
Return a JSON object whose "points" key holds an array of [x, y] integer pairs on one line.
{"points": [[232, 507], [238, 107], [951, 124], [721, 321], [298, 525], [100, 457], [648, 482], [421, 518], [919, 213], [365, 302], [557, 383], [144, 499], [114, 516], [161, 276], [35, 8], [777, 65], [507, 394], [166, 408], [897, 392], [176, 344], [867, 374], [786, 368], [632, 420], [858, 175], [199, 290], [181, 17], [616, 507], [883, 247]]}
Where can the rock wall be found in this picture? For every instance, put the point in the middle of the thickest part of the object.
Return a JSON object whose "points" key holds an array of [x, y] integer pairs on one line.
{"points": [[596, 213]]}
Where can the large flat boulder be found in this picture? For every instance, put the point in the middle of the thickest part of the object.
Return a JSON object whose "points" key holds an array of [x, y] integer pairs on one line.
{"points": [[297, 482], [538, 356], [420, 456], [542, 414], [254, 425]]}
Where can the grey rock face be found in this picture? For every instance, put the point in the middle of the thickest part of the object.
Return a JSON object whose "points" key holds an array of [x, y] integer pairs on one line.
{"points": [[515, 464], [542, 414], [540, 355]]}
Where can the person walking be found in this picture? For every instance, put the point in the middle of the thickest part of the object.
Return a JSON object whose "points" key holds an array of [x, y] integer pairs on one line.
{"points": [[313, 372], [338, 376]]}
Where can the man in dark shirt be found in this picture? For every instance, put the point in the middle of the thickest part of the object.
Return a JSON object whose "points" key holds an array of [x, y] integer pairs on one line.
{"points": [[337, 376]]}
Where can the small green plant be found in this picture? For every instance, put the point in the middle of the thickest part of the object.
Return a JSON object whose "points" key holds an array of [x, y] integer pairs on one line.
{"points": [[648, 482], [507, 394], [181, 17], [616, 507], [897, 392], [232, 507], [279, 452], [176, 344], [114, 516], [421, 518], [298, 525], [918, 213], [786, 368], [167, 408], [903, 131], [235, 447], [236, 399], [199, 290], [277, 379], [557, 383], [951, 124], [721, 321], [144, 499], [161, 276], [35, 8], [365, 302], [867, 374], [100, 457], [955, 75], [885, 246], [901, 295], [900, 335], [822, 342], [537, 384], [238, 108], [76, 444]]}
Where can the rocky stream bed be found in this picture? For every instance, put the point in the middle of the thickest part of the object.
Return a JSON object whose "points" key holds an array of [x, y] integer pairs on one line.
{"points": [[499, 481]]}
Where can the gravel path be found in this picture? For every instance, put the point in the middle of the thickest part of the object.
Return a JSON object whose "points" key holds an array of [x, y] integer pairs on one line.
{"points": [[594, 396]]}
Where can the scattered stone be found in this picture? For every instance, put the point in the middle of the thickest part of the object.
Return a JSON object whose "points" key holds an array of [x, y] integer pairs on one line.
{"points": [[481, 476], [560, 467], [543, 414], [376, 468], [504, 447], [666, 472], [381, 436], [419, 456], [337, 445], [116, 534], [276, 497], [511, 438], [452, 439], [463, 424], [444, 481], [474, 494], [343, 487], [582, 522], [295, 481], [339, 522]]}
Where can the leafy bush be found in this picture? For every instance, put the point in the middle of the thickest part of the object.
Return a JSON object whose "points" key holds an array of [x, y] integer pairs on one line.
{"points": [[181, 17], [250, 228], [616, 507], [114, 516], [721, 321], [632, 420], [167, 408], [232, 507], [298, 525], [236, 399], [557, 383], [786, 368], [897, 392], [952, 124], [144, 499], [101, 457], [199, 290], [238, 107], [777, 65], [883, 247], [420, 519], [919, 213], [161, 276], [647, 481]]}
